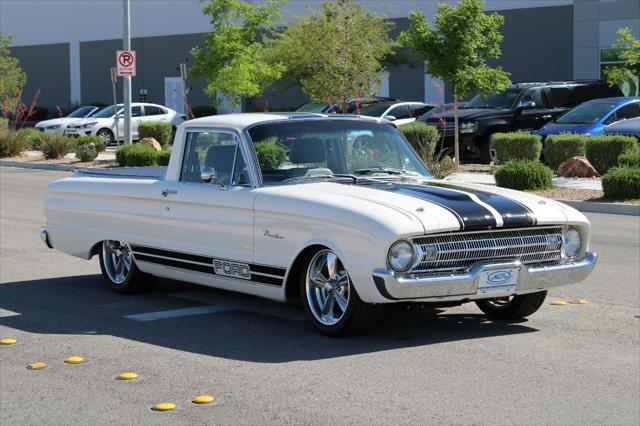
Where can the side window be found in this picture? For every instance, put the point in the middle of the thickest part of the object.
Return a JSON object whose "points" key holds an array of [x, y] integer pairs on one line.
{"points": [[153, 110], [216, 150], [136, 111], [562, 97], [537, 96], [400, 112], [418, 110], [627, 111]]}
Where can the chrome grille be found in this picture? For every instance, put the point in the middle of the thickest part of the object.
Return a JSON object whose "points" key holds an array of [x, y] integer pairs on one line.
{"points": [[457, 252]]}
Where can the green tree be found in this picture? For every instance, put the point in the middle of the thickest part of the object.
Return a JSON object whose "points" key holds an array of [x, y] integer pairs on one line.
{"points": [[12, 78], [335, 52], [629, 72], [231, 60], [456, 49]]}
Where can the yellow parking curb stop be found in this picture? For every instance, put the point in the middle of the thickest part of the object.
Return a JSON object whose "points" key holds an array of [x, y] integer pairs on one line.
{"points": [[203, 399], [7, 341], [36, 366], [164, 406], [559, 302], [581, 302], [127, 376], [74, 360]]}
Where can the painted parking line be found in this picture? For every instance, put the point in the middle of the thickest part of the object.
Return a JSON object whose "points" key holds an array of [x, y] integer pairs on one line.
{"points": [[176, 313], [7, 313]]}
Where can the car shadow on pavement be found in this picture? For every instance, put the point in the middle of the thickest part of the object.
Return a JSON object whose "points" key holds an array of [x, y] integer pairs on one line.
{"points": [[84, 305]]}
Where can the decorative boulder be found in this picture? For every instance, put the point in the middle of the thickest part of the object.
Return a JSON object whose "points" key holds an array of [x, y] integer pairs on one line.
{"points": [[577, 167], [152, 143]]}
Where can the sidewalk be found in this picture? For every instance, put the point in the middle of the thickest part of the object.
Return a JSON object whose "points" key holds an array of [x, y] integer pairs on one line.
{"points": [[558, 182]]}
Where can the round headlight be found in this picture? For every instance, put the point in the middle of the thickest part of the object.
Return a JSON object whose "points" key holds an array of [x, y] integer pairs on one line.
{"points": [[572, 242], [401, 256]]}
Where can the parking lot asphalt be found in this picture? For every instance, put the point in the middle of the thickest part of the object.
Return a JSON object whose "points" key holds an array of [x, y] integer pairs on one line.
{"points": [[571, 364]]}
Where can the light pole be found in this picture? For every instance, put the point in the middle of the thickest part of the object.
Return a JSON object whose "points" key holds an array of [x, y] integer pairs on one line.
{"points": [[114, 80], [126, 81]]}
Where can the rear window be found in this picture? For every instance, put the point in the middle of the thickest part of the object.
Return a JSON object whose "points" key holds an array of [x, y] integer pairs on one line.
{"points": [[596, 91]]}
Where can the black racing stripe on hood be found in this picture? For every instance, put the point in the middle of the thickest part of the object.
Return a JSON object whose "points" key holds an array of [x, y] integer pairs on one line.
{"points": [[514, 214], [470, 215]]}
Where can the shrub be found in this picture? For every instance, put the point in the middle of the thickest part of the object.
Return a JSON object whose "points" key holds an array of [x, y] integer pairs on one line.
{"points": [[136, 156], [443, 168], [158, 130], [558, 148], [203, 111], [11, 144], [630, 159], [622, 183], [423, 138], [56, 146], [603, 151], [270, 154], [519, 145], [162, 158], [32, 136], [521, 175], [4, 123], [88, 147]]}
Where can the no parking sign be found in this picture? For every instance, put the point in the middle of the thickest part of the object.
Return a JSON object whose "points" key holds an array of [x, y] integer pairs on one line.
{"points": [[126, 63]]}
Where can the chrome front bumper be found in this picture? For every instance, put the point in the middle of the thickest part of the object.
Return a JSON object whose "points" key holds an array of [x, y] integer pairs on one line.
{"points": [[465, 287]]}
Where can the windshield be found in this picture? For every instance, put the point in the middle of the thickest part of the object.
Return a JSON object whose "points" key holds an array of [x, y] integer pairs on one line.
{"points": [[374, 110], [588, 113], [322, 148], [502, 100], [81, 112], [108, 111], [312, 107]]}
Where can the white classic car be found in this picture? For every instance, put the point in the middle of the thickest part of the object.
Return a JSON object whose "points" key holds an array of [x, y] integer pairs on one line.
{"points": [[337, 211]]}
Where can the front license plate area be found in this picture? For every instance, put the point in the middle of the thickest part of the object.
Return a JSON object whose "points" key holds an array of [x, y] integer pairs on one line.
{"points": [[498, 281]]}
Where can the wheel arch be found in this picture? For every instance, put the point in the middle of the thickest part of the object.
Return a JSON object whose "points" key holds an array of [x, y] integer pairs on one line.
{"points": [[291, 288]]}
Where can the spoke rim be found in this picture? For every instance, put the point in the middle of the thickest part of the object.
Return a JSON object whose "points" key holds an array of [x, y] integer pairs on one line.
{"points": [[328, 288], [117, 261], [501, 302]]}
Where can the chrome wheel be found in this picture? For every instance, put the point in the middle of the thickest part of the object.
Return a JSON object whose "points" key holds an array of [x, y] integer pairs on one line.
{"points": [[106, 136], [117, 261], [500, 303], [328, 288]]}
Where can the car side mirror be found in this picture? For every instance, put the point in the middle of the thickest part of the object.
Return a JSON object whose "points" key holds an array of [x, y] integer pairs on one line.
{"points": [[208, 174], [390, 118], [526, 105]]}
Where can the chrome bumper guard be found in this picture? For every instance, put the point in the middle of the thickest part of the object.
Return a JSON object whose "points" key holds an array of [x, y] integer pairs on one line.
{"points": [[44, 235], [465, 287]]}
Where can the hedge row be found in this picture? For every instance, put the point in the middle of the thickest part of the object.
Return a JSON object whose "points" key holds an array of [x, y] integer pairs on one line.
{"points": [[53, 146], [423, 138], [158, 130], [141, 155], [622, 183], [519, 145], [524, 175]]}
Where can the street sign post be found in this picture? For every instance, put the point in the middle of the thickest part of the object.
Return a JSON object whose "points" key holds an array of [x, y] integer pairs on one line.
{"points": [[127, 58], [114, 80]]}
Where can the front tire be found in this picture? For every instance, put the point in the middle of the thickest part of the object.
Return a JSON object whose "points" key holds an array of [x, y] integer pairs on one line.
{"points": [[329, 298], [488, 151], [107, 136], [119, 269], [512, 308]]}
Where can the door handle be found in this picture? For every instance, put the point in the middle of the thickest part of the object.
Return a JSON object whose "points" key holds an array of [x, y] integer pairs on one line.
{"points": [[169, 191], [546, 116]]}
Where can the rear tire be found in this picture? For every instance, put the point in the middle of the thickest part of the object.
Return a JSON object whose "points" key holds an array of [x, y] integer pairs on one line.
{"points": [[514, 308], [329, 298], [119, 269]]}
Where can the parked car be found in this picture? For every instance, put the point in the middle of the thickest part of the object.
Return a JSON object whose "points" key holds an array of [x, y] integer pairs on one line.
{"points": [[522, 106], [59, 125], [398, 112], [592, 117], [348, 219], [354, 104], [630, 127], [108, 123]]}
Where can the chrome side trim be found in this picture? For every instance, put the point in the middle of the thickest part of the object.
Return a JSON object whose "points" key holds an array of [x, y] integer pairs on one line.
{"points": [[465, 286]]}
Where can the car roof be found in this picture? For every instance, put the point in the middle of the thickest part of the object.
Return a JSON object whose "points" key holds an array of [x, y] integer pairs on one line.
{"points": [[242, 121], [616, 100], [527, 84]]}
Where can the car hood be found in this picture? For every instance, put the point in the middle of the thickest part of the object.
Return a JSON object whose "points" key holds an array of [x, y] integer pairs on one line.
{"points": [[81, 121], [463, 114], [436, 205], [556, 128], [56, 121]]}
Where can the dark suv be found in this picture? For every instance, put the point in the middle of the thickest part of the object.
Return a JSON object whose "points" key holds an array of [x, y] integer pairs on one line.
{"points": [[522, 106]]}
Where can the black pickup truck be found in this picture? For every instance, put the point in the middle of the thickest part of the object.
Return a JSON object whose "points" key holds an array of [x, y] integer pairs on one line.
{"points": [[522, 106]]}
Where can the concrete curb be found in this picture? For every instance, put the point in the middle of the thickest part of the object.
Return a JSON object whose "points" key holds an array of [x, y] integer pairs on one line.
{"points": [[607, 208], [39, 166]]}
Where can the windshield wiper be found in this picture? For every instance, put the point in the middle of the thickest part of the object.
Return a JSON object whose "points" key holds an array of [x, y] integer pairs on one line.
{"points": [[387, 170]]}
